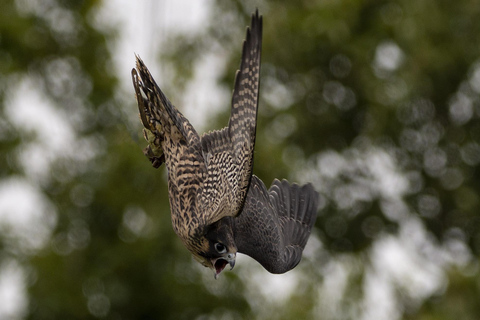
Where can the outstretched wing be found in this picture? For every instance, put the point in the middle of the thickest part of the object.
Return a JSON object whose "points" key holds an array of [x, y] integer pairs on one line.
{"points": [[274, 225], [228, 153], [243, 117]]}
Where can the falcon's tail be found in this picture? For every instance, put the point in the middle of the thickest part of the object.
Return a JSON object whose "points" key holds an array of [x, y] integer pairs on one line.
{"points": [[159, 116]]}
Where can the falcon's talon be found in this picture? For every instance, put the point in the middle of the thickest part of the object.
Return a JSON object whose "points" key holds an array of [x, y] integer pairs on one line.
{"points": [[218, 207]]}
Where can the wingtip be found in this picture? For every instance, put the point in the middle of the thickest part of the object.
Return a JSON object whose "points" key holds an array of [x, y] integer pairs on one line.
{"points": [[314, 194], [257, 20], [256, 16]]}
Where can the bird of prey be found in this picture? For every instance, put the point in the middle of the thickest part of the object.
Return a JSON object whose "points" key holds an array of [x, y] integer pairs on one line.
{"points": [[218, 207]]}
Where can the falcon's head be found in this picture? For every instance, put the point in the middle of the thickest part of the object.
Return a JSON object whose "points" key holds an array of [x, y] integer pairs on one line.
{"points": [[217, 247]]}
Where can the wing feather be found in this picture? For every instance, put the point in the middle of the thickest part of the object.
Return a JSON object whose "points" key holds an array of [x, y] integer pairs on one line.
{"points": [[228, 153], [274, 225], [243, 117]]}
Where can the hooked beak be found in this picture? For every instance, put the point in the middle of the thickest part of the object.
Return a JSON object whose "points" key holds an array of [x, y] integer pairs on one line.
{"points": [[220, 263]]}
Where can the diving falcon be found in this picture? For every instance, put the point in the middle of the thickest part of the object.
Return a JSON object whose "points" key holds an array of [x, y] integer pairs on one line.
{"points": [[218, 207]]}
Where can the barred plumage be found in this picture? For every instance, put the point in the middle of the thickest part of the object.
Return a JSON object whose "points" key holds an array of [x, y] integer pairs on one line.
{"points": [[217, 206]]}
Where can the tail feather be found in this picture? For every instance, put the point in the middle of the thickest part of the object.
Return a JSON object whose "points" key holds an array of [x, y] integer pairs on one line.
{"points": [[158, 115], [153, 131], [162, 107]]}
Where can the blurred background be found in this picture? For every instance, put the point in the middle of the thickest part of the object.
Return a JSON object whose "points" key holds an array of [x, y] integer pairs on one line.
{"points": [[375, 102]]}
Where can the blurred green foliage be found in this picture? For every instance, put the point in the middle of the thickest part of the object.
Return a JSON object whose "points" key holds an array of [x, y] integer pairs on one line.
{"points": [[337, 76]]}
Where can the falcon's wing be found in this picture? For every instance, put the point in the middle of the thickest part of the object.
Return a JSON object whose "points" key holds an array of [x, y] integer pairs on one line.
{"points": [[243, 117], [274, 225], [228, 153]]}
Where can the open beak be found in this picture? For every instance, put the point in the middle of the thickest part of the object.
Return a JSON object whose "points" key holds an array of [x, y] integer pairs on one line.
{"points": [[220, 263]]}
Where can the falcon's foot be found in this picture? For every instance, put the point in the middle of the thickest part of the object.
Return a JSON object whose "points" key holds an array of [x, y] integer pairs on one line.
{"points": [[153, 151]]}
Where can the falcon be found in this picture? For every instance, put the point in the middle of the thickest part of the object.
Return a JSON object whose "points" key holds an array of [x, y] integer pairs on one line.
{"points": [[218, 207]]}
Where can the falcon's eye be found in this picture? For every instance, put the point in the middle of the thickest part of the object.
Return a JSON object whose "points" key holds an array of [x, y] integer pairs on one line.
{"points": [[220, 248]]}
